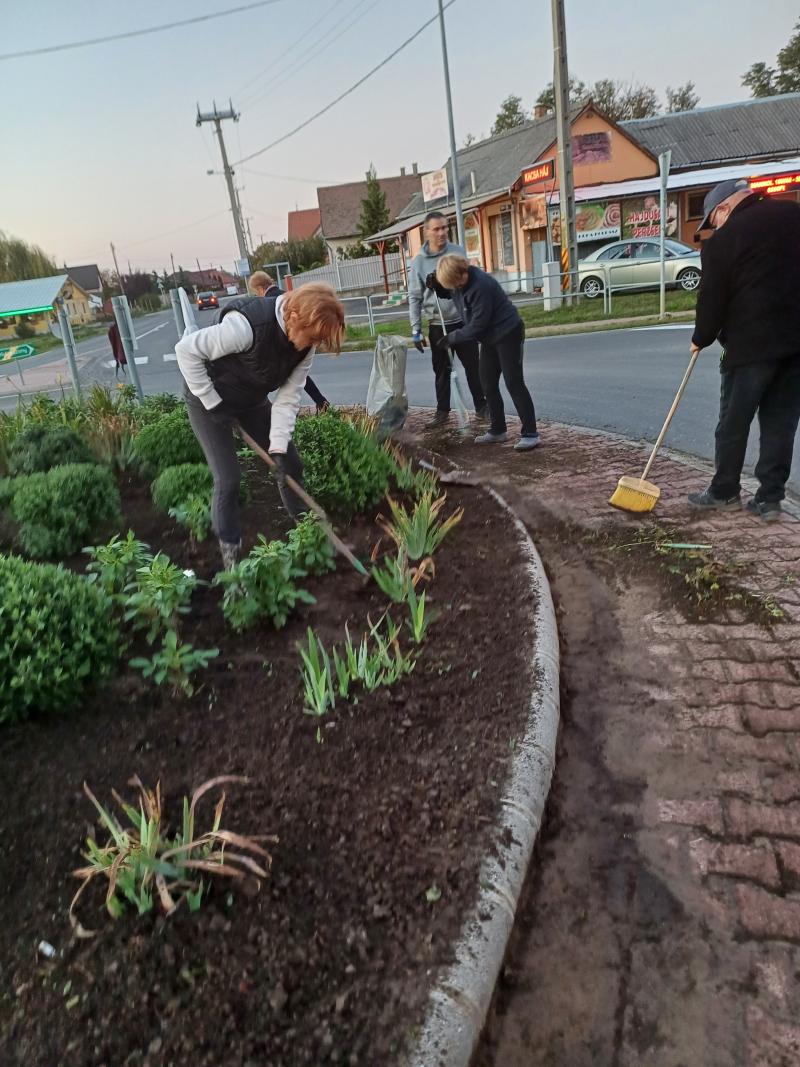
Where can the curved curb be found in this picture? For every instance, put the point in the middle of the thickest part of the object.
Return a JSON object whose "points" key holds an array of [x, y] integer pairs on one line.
{"points": [[459, 1003]]}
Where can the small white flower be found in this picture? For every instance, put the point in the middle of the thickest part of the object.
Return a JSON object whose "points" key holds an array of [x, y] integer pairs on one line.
{"points": [[189, 573]]}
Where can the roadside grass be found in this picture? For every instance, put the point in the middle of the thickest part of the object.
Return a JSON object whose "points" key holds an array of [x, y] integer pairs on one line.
{"points": [[47, 342]]}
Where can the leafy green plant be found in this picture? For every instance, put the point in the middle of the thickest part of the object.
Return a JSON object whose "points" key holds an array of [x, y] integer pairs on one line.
{"points": [[167, 442], [312, 552], [262, 585], [154, 407], [317, 677], [59, 510], [420, 532], [176, 484], [395, 577], [419, 618], [113, 566], [142, 863], [174, 663], [39, 448], [195, 514], [345, 467], [158, 596], [58, 638]]}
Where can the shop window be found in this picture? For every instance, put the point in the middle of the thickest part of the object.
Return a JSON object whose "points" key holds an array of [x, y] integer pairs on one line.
{"points": [[694, 205]]}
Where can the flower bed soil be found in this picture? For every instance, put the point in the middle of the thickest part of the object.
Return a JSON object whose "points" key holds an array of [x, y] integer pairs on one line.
{"points": [[331, 961]]}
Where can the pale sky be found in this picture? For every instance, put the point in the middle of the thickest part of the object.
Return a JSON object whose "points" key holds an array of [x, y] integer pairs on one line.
{"points": [[99, 144]]}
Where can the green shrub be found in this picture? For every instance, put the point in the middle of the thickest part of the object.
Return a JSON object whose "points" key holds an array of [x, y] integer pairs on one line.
{"points": [[311, 550], [114, 565], [195, 514], [39, 448], [24, 331], [57, 637], [167, 442], [155, 407], [262, 585], [59, 510], [345, 467], [175, 485]]}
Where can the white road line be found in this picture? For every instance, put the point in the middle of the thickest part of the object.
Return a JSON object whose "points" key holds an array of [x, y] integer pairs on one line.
{"points": [[670, 326], [170, 357], [146, 333], [141, 361]]}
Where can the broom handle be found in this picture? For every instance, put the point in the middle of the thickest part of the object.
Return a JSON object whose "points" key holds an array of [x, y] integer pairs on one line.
{"points": [[670, 413], [307, 499]]}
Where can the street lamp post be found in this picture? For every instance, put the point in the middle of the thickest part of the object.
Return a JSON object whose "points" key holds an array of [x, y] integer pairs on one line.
{"points": [[453, 155]]}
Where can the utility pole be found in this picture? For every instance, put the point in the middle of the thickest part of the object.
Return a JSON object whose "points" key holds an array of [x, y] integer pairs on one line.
{"points": [[116, 268], [217, 118], [172, 261], [569, 235], [453, 157]]}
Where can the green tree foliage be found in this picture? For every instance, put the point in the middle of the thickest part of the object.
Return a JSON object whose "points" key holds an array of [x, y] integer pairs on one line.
{"points": [[763, 80], [374, 214], [683, 98], [300, 255], [19, 260], [509, 115], [547, 97], [138, 284]]}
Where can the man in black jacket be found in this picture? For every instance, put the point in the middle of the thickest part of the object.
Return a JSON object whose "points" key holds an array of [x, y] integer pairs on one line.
{"points": [[748, 300]]}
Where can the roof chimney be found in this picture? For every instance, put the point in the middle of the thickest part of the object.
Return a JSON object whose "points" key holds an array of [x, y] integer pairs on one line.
{"points": [[402, 172], [414, 168], [540, 111], [472, 182]]}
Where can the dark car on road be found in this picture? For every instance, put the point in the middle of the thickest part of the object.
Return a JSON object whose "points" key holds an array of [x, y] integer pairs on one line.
{"points": [[207, 300]]}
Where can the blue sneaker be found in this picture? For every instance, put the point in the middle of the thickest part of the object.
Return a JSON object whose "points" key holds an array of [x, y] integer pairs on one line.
{"points": [[526, 443]]}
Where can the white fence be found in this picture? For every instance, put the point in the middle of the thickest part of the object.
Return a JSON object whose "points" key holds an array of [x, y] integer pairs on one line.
{"points": [[364, 273]]}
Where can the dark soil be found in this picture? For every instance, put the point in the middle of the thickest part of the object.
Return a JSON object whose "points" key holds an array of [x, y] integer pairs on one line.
{"points": [[331, 961]]}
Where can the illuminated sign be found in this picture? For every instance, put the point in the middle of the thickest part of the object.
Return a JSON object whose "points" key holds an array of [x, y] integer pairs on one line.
{"points": [[775, 185], [541, 172], [24, 311]]}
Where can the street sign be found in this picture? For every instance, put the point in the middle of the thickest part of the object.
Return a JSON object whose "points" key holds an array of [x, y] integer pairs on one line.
{"points": [[16, 352], [538, 173]]}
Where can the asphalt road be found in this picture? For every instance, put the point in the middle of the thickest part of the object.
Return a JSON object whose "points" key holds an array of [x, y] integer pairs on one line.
{"points": [[617, 380]]}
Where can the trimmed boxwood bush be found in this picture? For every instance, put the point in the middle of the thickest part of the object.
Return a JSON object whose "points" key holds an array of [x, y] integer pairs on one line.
{"points": [[176, 484], [57, 637], [59, 511], [39, 448], [167, 442], [346, 469]]}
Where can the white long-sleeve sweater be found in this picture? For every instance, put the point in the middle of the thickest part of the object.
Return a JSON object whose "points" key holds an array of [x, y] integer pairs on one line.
{"points": [[232, 335]]}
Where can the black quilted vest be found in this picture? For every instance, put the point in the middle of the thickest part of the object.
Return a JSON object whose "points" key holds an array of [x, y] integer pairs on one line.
{"points": [[243, 379]]}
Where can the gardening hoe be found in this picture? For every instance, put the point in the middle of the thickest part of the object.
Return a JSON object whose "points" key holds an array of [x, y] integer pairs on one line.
{"points": [[296, 488], [636, 494], [455, 383]]}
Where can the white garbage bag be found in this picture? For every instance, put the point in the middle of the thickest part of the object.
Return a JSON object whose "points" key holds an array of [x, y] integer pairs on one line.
{"points": [[387, 399]]}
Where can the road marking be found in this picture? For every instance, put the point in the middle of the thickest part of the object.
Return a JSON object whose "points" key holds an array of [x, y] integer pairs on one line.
{"points": [[160, 326], [170, 357], [141, 361]]}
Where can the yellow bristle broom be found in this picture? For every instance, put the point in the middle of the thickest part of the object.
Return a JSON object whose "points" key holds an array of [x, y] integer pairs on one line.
{"points": [[637, 494]]}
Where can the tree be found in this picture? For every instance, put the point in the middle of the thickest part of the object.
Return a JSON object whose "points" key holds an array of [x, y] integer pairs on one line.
{"points": [[621, 100], [300, 255], [547, 97], [468, 140], [762, 80], [509, 115], [137, 284], [684, 98], [19, 260], [374, 211]]}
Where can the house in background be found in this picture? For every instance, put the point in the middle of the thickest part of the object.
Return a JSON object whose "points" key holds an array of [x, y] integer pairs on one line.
{"points": [[340, 205], [88, 278], [33, 303], [304, 223], [212, 278]]}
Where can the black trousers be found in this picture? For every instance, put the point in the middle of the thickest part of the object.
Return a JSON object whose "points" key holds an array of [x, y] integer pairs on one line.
{"points": [[771, 389], [219, 447], [467, 353], [504, 357]]}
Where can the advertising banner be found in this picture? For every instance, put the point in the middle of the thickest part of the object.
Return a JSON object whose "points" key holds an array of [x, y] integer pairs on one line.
{"points": [[594, 222], [472, 238], [642, 217], [434, 185]]}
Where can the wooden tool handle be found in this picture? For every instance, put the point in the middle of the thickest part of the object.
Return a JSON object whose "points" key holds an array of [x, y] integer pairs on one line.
{"points": [[670, 413], [307, 499]]}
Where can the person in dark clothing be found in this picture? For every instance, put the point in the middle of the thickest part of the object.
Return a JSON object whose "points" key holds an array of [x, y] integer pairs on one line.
{"points": [[421, 303], [748, 302], [257, 347], [490, 318], [120, 359], [263, 284]]}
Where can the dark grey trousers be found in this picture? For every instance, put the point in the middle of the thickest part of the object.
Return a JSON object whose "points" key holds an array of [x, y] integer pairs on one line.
{"points": [[219, 446]]}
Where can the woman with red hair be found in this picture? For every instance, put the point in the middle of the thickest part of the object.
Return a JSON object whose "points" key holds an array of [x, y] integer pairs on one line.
{"points": [[259, 345]]}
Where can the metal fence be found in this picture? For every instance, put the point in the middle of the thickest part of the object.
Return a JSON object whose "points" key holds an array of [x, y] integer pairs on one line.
{"points": [[364, 273]]}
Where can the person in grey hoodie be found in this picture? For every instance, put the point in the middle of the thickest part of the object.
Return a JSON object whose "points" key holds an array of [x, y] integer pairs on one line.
{"points": [[421, 302]]}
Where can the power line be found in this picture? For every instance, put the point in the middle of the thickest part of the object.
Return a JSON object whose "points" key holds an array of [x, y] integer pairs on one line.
{"points": [[293, 178], [137, 33], [177, 229], [288, 71], [347, 92]]}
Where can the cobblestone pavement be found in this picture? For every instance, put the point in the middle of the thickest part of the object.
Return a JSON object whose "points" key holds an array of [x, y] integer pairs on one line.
{"points": [[661, 924]]}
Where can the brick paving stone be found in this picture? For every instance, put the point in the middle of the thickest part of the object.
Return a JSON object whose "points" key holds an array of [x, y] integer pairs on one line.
{"points": [[789, 858], [764, 914], [772, 1042], [706, 814], [756, 862], [761, 721], [745, 818], [723, 717], [779, 749]]}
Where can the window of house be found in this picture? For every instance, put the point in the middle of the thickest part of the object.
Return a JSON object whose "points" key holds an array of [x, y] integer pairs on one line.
{"points": [[502, 231], [694, 205]]}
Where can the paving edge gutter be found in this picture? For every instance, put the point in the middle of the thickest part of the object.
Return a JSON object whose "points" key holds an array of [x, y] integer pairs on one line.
{"points": [[459, 1002]]}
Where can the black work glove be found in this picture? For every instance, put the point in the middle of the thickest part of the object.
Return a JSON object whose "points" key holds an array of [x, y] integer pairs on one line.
{"points": [[279, 459], [432, 283], [323, 406], [443, 343]]}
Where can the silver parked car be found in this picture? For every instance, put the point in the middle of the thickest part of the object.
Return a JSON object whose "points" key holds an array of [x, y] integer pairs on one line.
{"points": [[636, 262]]}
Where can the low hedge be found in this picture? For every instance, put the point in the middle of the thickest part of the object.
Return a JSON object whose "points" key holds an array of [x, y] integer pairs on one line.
{"points": [[57, 638], [61, 510], [39, 448], [175, 485], [167, 442], [345, 468]]}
